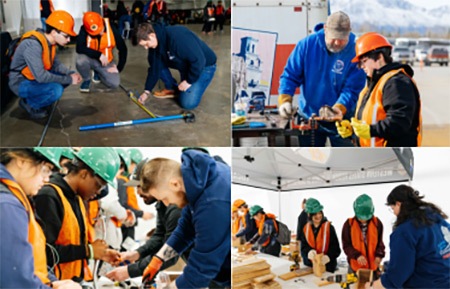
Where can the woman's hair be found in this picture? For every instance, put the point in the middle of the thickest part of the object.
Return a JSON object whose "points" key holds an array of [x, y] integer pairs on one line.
{"points": [[413, 207], [310, 216], [7, 155], [76, 165]]}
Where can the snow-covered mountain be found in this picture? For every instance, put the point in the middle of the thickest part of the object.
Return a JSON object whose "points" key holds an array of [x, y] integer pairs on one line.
{"points": [[394, 15]]}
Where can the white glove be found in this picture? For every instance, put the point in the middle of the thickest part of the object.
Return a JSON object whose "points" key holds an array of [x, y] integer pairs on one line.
{"points": [[286, 110], [325, 259], [312, 254]]}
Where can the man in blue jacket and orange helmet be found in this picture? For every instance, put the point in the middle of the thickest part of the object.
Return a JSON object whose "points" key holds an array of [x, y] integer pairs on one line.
{"points": [[320, 65], [202, 187]]}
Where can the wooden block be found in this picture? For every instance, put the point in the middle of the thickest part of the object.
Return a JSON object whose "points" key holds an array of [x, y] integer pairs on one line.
{"points": [[364, 276], [297, 273], [321, 283], [250, 275], [246, 283], [318, 265], [249, 266], [264, 278], [243, 248], [266, 285]]}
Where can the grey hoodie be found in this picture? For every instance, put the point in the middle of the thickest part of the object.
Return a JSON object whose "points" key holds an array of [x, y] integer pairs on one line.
{"points": [[29, 53]]}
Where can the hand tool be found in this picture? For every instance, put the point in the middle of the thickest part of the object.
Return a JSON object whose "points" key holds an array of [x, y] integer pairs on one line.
{"points": [[252, 124]]}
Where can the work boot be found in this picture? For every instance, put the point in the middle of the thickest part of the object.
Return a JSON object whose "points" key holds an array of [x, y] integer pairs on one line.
{"points": [[95, 77], [85, 86], [35, 113], [165, 93]]}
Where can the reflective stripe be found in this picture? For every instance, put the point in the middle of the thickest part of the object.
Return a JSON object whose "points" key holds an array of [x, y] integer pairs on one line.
{"points": [[109, 39], [307, 230], [325, 237], [89, 41]]}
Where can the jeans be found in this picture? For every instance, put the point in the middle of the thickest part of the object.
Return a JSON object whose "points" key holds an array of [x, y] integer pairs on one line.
{"points": [[190, 98], [325, 130], [122, 20], [40, 95], [169, 82], [44, 25]]}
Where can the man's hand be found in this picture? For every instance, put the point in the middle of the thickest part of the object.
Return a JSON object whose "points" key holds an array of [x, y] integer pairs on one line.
{"points": [[76, 78], [99, 247], [130, 256], [361, 129], [112, 69], [147, 216], [144, 96], [104, 60], [362, 260], [111, 256], [152, 269], [118, 274], [65, 284], [184, 85]]}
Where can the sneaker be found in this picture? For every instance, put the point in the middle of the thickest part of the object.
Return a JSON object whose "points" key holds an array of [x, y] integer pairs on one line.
{"points": [[95, 77], [165, 93], [85, 86], [33, 112]]}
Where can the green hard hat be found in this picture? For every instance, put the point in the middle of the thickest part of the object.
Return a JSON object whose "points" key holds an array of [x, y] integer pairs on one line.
{"points": [[195, 148], [135, 155], [67, 153], [313, 206], [363, 207], [105, 162], [123, 154], [51, 154], [255, 209]]}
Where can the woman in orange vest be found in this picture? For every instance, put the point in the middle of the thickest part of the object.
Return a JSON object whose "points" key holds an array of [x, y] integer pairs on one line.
{"points": [[60, 205], [208, 14], [249, 227], [23, 260], [319, 236], [236, 221], [388, 111], [219, 12], [362, 237], [95, 43], [36, 74], [266, 237]]}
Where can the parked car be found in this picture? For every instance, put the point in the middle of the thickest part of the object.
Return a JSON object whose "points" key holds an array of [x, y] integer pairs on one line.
{"points": [[437, 54], [403, 54]]}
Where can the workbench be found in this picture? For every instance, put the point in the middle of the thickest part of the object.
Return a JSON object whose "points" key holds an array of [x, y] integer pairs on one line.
{"points": [[275, 126]]}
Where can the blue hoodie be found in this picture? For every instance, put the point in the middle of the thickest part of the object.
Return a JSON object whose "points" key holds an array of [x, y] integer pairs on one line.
{"points": [[420, 257], [181, 49], [17, 261], [205, 221], [324, 78]]}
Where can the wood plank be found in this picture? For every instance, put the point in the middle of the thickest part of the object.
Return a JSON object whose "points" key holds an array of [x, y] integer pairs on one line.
{"points": [[267, 285], [297, 273], [250, 275], [249, 268], [321, 283], [264, 278], [242, 284]]}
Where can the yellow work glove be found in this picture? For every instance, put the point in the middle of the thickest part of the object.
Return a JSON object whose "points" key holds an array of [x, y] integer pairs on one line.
{"points": [[285, 106], [238, 120], [361, 129], [344, 128]]}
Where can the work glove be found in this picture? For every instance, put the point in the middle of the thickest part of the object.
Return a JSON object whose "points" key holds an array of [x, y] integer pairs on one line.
{"points": [[312, 254], [152, 269], [361, 129], [344, 128], [285, 106], [325, 259]]}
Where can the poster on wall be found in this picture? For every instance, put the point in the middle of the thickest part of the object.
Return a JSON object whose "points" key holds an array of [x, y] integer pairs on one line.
{"points": [[253, 55]]}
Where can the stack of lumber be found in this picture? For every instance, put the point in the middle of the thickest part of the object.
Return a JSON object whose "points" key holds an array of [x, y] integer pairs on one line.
{"points": [[253, 273]]}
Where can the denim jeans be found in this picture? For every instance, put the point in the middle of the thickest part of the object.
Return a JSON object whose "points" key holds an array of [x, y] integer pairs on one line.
{"points": [[40, 95], [190, 98], [325, 130], [169, 82], [44, 25], [122, 20]]}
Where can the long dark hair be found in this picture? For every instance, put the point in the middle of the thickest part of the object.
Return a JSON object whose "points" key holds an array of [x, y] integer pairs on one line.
{"points": [[413, 207]]}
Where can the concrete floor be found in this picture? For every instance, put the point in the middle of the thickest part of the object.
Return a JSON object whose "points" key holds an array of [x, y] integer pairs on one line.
{"points": [[103, 105]]}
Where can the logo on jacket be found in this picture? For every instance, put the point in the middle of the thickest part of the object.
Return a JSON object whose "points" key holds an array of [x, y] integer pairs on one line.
{"points": [[171, 57], [444, 246], [338, 66]]}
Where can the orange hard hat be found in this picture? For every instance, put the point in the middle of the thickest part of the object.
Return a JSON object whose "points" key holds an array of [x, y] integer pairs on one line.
{"points": [[62, 21], [233, 209], [369, 42], [93, 23], [238, 203]]}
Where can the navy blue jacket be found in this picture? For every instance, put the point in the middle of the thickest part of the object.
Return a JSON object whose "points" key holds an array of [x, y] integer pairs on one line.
{"points": [[181, 49], [205, 221], [250, 230], [420, 257], [17, 261]]}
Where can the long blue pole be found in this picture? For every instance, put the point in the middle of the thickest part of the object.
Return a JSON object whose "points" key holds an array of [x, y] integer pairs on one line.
{"points": [[131, 122]]}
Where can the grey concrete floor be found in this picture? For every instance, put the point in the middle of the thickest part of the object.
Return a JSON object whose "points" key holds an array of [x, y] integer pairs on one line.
{"points": [[103, 105]]}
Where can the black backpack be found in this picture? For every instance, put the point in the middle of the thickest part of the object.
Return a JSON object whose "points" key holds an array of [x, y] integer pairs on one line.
{"points": [[7, 57], [284, 234]]}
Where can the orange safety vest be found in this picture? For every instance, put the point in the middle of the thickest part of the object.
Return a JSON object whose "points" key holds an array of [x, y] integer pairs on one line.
{"points": [[219, 10], [47, 59], [210, 11], [51, 6], [70, 235], [36, 236], [322, 241], [158, 6], [236, 225], [107, 41], [374, 110], [93, 213], [260, 226], [358, 243], [131, 194]]}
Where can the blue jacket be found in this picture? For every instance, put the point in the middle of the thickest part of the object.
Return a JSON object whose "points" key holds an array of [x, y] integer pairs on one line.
{"points": [[17, 261], [181, 49], [324, 78], [250, 230], [205, 221], [420, 257]]}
